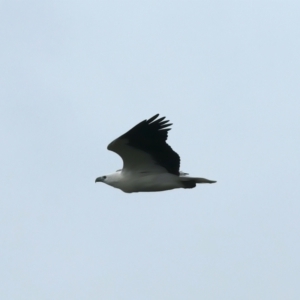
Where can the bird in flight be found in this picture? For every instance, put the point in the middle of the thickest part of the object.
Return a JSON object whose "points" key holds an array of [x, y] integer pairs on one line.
{"points": [[149, 163]]}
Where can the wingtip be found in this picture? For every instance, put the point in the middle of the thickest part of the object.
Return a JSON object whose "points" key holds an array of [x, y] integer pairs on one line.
{"points": [[152, 118]]}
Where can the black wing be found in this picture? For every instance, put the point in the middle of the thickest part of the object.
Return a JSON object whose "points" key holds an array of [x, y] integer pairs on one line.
{"points": [[150, 136]]}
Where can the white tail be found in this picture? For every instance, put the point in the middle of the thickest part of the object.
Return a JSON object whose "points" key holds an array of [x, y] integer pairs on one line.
{"points": [[196, 179]]}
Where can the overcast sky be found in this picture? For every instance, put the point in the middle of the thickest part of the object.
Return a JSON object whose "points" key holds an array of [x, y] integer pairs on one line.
{"points": [[75, 75]]}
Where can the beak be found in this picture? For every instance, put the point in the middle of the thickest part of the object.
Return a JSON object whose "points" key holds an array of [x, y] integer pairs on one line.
{"points": [[99, 179]]}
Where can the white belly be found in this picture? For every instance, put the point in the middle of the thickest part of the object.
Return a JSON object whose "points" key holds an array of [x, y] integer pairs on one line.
{"points": [[147, 182]]}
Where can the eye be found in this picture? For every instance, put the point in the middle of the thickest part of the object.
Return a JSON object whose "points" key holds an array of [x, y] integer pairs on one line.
{"points": [[104, 177]]}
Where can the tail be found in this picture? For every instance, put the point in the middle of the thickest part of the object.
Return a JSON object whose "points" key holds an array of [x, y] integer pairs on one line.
{"points": [[190, 182]]}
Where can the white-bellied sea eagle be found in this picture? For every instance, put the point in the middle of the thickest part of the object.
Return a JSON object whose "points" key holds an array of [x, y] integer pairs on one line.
{"points": [[149, 163]]}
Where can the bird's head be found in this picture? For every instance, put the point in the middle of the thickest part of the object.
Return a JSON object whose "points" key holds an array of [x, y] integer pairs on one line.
{"points": [[100, 179]]}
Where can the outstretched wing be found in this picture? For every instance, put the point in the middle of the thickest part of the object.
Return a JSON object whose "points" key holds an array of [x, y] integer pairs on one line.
{"points": [[144, 146]]}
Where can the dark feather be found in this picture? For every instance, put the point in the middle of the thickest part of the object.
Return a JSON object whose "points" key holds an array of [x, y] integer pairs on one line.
{"points": [[150, 136]]}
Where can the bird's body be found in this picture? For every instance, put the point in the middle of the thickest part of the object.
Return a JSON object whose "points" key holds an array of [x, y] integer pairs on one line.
{"points": [[149, 163], [130, 182]]}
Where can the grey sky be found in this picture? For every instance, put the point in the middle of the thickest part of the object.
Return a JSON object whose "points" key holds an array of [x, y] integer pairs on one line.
{"points": [[76, 75]]}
